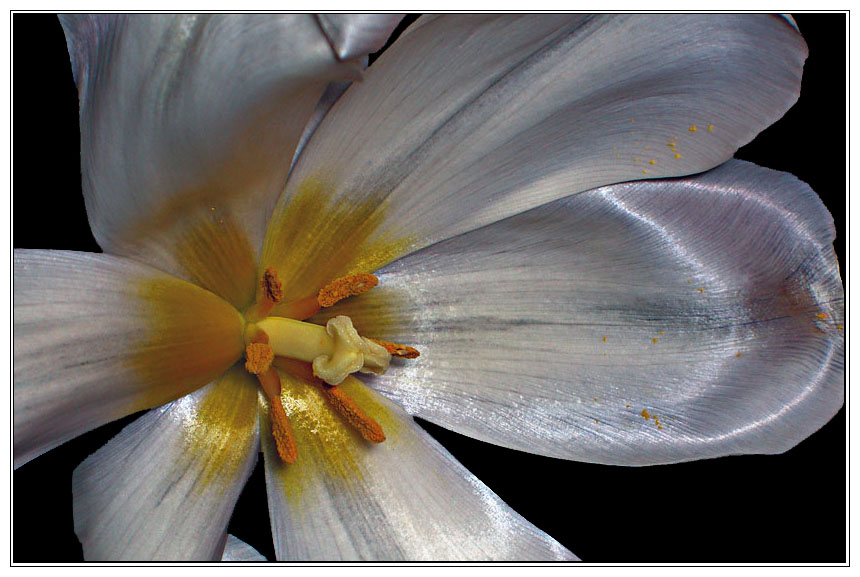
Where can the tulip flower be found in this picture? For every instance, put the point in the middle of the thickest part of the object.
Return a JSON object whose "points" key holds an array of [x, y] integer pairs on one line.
{"points": [[631, 324]]}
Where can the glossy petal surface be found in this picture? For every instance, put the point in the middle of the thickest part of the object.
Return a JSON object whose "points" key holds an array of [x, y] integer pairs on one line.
{"points": [[403, 499], [466, 120], [641, 323], [98, 337], [355, 35], [189, 123], [238, 551], [165, 487]]}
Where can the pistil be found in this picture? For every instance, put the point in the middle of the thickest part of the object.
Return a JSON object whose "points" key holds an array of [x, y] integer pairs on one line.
{"points": [[335, 351]]}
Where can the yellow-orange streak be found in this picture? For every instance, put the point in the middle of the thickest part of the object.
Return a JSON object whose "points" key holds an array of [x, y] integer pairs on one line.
{"points": [[282, 431], [346, 286], [366, 425], [402, 351]]}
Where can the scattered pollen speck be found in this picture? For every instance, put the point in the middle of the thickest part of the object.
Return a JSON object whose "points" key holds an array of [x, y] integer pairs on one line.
{"points": [[644, 171], [670, 144], [647, 148], [212, 208], [652, 161], [655, 340], [693, 128], [660, 427], [700, 289], [710, 127], [595, 399], [738, 355], [822, 315], [635, 159], [689, 281], [661, 333], [617, 155], [677, 155], [645, 414], [604, 339], [596, 421], [626, 406], [839, 327]]}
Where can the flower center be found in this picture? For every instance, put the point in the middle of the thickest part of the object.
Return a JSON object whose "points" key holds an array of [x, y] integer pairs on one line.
{"points": [[322, 355]]}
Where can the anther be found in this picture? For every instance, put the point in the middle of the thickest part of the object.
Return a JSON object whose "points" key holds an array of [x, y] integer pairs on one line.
{"points": [[270, 293], [402, 351], [282, 431], [347, 286], [258, 358]]}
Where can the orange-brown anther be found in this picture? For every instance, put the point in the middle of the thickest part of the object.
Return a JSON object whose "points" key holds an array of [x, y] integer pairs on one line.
{"points": [[282, 431], [357, 418], [345, 406], [258, 357], [346, 286], [402, 351], [272, 287]]}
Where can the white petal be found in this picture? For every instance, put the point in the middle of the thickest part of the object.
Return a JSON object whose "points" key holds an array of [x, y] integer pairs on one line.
{"points": [[403, 499], [165, 487], [191, 118], [641, 323], [98, 337], [354, 35], [466, 120], [240, 552]]}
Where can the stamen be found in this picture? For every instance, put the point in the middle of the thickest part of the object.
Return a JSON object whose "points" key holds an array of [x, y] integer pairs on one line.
{"points": [[347, 286], [357, 418], [271, 292], [282, 431], [402, 351], [339, 400], [258, 358]]}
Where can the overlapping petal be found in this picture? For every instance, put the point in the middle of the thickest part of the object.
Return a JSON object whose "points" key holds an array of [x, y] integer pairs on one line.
{"points": [[236, 550], [165, 487], [188, 126], [404, 499], [98, 337], [452, 129], [641, 323]]}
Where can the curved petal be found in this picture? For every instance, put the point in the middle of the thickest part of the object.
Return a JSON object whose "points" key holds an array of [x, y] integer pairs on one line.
{"points": [[98, 337], [466, 120], [355, 35], [165, 487], [403, 499], [190, 122], [238, 551], [642, 323]]}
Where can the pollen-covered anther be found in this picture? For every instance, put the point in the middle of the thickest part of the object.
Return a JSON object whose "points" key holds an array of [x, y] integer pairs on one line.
{"points": [[395, 350], [258, 358], [354, 415], [272, 287], [347, 286], [282, 431]]}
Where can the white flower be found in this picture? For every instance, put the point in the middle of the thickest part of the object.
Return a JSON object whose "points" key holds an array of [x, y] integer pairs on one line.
{"points": [[563, 331]]}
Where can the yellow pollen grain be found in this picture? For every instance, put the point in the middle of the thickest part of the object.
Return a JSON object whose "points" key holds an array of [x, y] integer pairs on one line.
{"points": [[596, 421], [347, 286], [635, 159], [839, 327], [402, 351], [661, 333], [670, 144], [710, 127], [626, 406], [700, 289], [258, 358], [604, 339], [655, 340], [738, 355], [645, 414], [644, 171], [677, 155], [652, 161], [660, 427], [647, 148], [822, 315], [693, 128], [595, 399]]}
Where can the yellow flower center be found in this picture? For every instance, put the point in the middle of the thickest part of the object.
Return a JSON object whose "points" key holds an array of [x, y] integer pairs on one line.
{"points": [[323, 355]]}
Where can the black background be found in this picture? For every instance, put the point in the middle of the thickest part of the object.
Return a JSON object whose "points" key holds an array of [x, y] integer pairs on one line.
{"points": [[783, 508]]}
